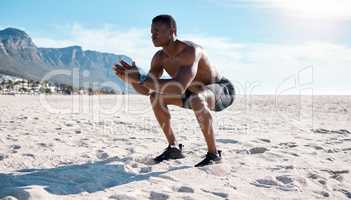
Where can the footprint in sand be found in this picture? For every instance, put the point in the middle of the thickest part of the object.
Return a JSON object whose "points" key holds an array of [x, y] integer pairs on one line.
{"points": [[220, 194], [45, 145], [69, 124], [283, 167], [288, 144], [100, 154], [168, 178], [336, 174], [283, 182], [325, 131], [341, 131], [320, 130], [322, 193], [158, 196], [316, 147], [316, 177], [119, 139], [184, 189], [266, 182], [3, 156], [285, 179], [122, 197], [146, 169], [265, 140], [9, 137], [82, 143], [257, 150], [22, 117], [15, 147], [28, 155], [227, 141]]}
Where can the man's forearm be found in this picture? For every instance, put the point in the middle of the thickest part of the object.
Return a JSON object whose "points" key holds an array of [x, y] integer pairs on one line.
{"points": [[164, 86], [141, 89]]}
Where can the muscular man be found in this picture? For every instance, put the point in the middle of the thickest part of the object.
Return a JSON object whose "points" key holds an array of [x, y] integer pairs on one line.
{"points": [[194, 84]]}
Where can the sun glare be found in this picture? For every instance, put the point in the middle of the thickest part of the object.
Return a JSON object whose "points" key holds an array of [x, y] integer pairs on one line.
{"points": [[316, 8]]}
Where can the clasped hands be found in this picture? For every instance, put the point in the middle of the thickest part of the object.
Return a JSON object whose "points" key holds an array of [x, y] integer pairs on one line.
{"points": [[126, 72]]}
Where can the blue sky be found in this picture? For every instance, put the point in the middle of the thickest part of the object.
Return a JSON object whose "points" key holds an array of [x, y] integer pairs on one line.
{"points": [[259, 44]]}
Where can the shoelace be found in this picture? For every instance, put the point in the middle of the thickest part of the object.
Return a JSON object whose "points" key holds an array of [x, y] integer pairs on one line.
{"points": [[165, 151], [207, 155], [180, 146]]}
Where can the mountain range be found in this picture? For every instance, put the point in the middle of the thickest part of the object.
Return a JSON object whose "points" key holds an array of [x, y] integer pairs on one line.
{"points": [[20, 57]]}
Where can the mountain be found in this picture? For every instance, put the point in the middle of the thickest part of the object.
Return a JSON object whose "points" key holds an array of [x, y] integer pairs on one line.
{"points": [[19, 56]]}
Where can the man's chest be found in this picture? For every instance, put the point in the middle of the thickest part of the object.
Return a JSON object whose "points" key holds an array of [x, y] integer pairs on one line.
{"points": [[172, 65]]}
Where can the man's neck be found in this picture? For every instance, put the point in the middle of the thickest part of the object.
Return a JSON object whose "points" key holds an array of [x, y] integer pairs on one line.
{"points": [[171, 49]]}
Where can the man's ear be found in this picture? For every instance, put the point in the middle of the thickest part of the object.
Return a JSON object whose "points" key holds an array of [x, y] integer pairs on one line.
{"points": [[174, 33]]}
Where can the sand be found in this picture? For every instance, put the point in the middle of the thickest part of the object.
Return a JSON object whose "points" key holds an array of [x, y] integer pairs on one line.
{"points": [[101, 147]]}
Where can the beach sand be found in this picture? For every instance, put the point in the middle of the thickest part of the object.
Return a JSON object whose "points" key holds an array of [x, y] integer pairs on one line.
{"points": [[101, 147]]}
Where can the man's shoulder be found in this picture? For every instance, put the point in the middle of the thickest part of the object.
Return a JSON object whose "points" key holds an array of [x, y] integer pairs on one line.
{"points": [[191, 44], [191, 50], [158, 55]]}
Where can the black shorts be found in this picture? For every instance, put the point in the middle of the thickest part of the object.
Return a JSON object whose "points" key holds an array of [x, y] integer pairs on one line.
{"points": [[223, 91]]}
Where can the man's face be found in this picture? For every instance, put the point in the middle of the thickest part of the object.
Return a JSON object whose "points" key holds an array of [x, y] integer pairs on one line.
{"points": [[160, 34]]}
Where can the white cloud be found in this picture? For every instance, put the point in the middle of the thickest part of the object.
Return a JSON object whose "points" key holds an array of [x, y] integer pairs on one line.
{"points": [[314, 9], [326, 9], [260, 64], [265, 66], [52, 43]]}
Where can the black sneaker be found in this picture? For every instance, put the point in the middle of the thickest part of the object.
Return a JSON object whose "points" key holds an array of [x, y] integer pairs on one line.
{"points": [[211, 158], [171, 152]]}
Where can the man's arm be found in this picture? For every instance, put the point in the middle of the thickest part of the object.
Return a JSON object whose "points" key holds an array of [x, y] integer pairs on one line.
{"points": [[155, 72], [184, 76], [141, 89]]}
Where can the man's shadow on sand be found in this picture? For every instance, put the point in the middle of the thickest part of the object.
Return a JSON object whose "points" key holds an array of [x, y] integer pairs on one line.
{"points": [[74, 179]]}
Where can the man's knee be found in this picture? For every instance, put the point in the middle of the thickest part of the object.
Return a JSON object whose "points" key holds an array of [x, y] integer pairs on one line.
{"points": [[157, 100], [198, 101], [202, 112]]}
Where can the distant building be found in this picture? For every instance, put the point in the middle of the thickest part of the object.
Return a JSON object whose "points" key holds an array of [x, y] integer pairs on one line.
{"points": [[10, 85]]}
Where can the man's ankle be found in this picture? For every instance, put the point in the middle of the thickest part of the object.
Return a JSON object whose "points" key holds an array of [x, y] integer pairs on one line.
{"points": [[213, 151], [176, 145]]}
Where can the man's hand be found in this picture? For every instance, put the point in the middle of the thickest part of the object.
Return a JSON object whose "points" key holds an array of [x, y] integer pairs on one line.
{"points": [[126, 72]]}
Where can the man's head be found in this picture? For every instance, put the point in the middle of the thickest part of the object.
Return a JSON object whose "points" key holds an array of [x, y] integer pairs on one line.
{"points": [[163, 29]]}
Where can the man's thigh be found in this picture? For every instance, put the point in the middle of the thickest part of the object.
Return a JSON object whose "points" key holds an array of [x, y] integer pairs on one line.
{"points": [[205, 95], [216, 96], [166, 99], [223, 95]]}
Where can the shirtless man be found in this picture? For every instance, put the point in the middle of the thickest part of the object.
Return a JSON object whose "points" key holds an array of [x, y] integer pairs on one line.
{"points": [[194, 84]]}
